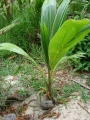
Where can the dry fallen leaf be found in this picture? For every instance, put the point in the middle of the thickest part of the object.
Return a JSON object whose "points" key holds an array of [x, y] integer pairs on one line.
{"points": [[58, 114], [11, 57], [47, 114], [21, 109], [27, 117]]}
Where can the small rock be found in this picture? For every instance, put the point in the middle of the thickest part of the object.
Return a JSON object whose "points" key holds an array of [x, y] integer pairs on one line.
{"points": [[46, 104], [11, 116]]}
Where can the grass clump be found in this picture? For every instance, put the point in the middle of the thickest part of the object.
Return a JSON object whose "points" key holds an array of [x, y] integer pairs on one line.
{"points": [[84, 96], [69, 89], [25, 33], [88, 81]]}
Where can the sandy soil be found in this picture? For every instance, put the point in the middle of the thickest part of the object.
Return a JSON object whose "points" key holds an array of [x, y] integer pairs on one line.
{"points": [[73, 110]]}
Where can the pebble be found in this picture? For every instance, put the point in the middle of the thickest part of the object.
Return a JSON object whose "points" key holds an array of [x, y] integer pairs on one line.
{"points": [[11, 116], [46, 104]]}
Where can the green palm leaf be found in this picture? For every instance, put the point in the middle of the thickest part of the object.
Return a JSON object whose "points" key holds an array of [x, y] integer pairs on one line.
{"points": [[70, 33], [16, 49], [47, 17], [60, 16], [65, 58], [51, 21]]}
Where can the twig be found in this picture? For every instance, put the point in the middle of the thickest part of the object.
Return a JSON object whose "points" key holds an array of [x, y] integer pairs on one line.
{"points": [[31, 101], [81, 85], [84, 108]]}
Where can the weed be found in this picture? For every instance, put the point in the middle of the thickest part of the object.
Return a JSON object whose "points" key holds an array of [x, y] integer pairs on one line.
{"points": [[4, 89], [37, 54], [23, 93], [84, 96], [65, 93], [8, 67], [30, 77], [69, 89], [88, 81]]}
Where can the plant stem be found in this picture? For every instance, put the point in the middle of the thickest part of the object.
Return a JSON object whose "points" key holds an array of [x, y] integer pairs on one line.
{"points": [[7, 4], [49, 83]]}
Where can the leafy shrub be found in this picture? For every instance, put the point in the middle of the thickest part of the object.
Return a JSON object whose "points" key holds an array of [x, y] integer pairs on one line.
{"points": [[81, 64], [80, 9]]}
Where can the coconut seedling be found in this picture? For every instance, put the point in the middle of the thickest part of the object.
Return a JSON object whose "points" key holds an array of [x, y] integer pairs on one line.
{"points": [[58, 36]]}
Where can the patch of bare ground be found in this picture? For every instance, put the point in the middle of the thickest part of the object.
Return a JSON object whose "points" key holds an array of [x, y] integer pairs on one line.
{"points": [[74, 109]]}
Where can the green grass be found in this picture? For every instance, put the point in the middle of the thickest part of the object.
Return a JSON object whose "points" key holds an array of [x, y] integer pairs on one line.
{"points": [[67, 93], [68, 90], [88, 81], [84, 96], [27, 74], [25, 33], [23, 68], [6, 68], [30, 77]]}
